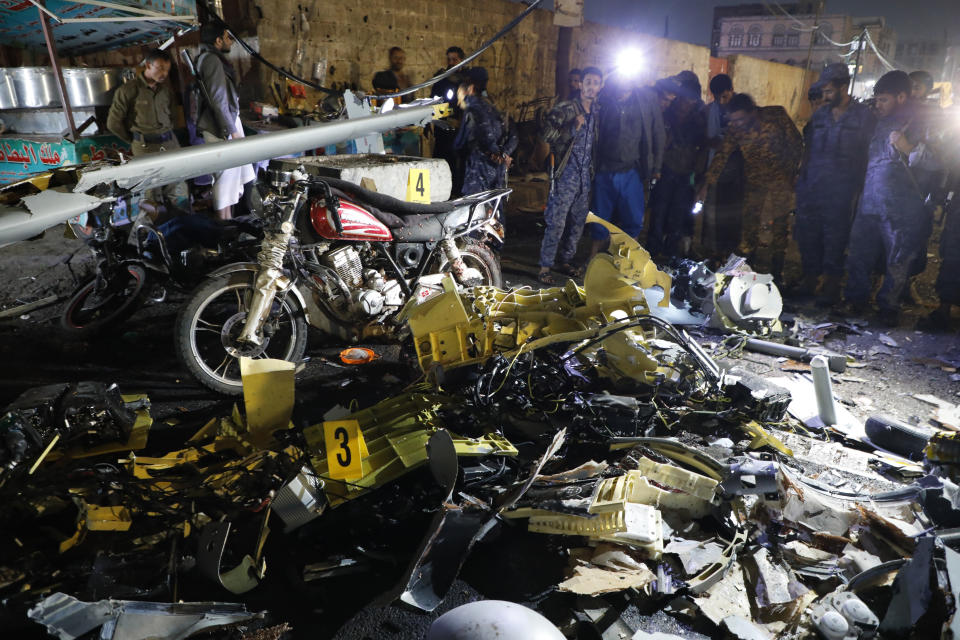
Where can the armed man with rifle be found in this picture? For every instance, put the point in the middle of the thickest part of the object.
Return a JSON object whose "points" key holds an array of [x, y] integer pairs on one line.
{"points": [[219, 116]]}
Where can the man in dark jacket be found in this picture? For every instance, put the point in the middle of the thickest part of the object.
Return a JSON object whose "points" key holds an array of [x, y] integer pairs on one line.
{"points": [[220, 120], [481, 137], [723, 207], [571, 130], [835, 160], [629, 152], [888, 227], [672, 199]]}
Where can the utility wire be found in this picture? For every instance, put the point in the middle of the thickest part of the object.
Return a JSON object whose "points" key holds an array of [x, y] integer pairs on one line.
{"points": [[486, 45], [880, 57], [286, 74]]}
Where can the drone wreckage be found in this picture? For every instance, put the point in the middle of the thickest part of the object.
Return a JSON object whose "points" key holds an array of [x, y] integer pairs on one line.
{"points": [[573, 413]]}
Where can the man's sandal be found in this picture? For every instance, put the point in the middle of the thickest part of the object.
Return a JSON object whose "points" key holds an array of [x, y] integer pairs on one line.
{"points": [[545, 277], [570, 270]]}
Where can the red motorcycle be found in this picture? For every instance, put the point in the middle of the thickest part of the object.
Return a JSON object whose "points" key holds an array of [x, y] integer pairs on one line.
{"points": [[336, 257]]}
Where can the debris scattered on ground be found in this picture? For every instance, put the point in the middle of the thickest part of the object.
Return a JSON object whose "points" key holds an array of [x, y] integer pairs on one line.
{"points": [[596, 456]]}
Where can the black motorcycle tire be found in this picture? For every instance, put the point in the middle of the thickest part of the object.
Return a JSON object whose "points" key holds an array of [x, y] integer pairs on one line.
{"points": [[478, 255], [83, 322], [189, 350]]}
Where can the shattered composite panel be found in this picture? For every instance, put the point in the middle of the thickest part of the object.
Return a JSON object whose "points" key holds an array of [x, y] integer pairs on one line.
{"points": [[524, 391]]}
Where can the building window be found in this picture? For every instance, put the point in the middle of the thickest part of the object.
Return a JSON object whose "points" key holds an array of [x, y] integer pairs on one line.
{"points": [[779, 35], [754, 37], [793, 40], [736, 37]]}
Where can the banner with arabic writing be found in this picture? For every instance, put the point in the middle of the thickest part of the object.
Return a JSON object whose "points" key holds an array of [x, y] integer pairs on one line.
{"points": [[22, 157]]}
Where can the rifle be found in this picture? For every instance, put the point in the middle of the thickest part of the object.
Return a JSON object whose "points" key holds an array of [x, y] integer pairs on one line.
{"points": [[224, 133]]}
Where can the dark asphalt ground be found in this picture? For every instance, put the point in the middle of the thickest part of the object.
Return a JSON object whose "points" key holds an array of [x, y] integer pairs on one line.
{"points": [[139, 357]]}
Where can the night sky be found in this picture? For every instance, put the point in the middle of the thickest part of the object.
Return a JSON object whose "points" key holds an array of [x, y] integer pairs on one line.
{"points": [[690, 20]]}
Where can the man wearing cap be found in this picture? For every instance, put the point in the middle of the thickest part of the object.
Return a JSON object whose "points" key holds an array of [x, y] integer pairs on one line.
{"points": [[629, 152], [481, 136], [672, 199], [835, 160], [771, 147], [143, 114]]}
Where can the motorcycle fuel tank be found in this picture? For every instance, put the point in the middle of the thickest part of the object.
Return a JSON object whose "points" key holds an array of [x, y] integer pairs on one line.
{"points": [[357, 223]]}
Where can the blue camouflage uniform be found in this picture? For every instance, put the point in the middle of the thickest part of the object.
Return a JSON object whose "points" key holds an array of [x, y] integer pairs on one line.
{"points": [[888, 228], [479, 138], [835, 159], [569, 201], [948, 280]]}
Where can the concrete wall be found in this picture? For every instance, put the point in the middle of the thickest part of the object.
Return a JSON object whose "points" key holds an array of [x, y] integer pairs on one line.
{"points": [[599, 45], [772, 83]]}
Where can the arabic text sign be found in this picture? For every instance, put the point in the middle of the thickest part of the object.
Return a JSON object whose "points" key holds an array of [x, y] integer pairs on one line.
{"points": [[20, 157]]}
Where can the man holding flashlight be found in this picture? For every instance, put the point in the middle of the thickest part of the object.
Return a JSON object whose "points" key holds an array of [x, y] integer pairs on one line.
{"points": [[771, 147]]}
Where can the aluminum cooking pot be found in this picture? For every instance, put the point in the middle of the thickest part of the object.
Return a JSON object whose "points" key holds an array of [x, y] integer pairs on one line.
{"points": [[8, 93], [35, 86], [91, 87]]}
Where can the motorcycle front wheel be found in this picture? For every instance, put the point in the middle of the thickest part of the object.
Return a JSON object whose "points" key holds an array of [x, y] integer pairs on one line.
{"points": [[208, 326], [479, 256], [104, 301]]}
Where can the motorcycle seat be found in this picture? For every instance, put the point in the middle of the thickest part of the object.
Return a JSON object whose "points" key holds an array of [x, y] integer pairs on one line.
{"points": [[390, 204]]}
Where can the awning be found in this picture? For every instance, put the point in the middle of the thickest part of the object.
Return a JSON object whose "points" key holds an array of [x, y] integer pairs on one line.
{"points": [[85, 26]]}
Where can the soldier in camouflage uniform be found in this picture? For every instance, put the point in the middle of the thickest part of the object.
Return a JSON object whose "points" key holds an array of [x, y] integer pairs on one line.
{"points": [[481, 137], [571, 130], [143, 114], [771, 147]]}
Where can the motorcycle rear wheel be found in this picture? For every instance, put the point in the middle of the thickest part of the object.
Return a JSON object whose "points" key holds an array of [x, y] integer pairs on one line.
{"points": [[209, 323], [89, 311]]}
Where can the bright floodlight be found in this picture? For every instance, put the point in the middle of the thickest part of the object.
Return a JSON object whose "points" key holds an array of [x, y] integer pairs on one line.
{"points": [[449, 94], [629, 61], [387, 106]]}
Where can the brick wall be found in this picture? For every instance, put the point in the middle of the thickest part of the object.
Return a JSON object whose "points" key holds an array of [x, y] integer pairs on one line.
{"points": [[354, 38]]}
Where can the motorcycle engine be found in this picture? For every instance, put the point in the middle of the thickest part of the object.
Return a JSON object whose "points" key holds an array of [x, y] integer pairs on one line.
{"points": [[346, 262], [370, 292]]}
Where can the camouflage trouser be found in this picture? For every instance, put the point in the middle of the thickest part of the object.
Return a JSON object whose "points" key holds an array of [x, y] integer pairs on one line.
{"points": [[565, 215], [766, 216], [177, 193]]}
